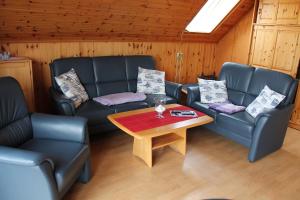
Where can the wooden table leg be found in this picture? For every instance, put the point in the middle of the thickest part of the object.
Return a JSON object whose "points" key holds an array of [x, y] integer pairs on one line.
{"points": [[142, 148], [180, 145]]}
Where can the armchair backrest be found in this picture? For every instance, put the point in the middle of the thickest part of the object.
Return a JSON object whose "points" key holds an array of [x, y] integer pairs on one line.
{"points": [[104, 74], [15, 124]]}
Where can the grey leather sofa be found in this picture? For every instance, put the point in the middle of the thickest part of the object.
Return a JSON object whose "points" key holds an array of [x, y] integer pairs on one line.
{"points": [[41, 156], [101, 76], [263, 134]]}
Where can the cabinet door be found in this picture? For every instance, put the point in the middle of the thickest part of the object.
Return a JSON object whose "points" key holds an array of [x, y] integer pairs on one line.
{"points": [[267, 12], [263, 47], [285, 58], [288, 12]]}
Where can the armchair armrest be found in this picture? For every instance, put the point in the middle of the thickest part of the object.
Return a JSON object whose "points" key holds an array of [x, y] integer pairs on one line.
{"points": [[64, 105], [20, 168], [173, 89], [193, 94], [15, 156], [269, 132], [60, 127]]}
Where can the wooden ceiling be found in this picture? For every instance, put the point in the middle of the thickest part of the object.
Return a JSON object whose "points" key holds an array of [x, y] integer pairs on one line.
{"points": [[117, 20]]}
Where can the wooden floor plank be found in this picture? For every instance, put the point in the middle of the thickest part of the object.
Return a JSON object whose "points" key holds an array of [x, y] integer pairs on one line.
{"points": [[213, 167]]}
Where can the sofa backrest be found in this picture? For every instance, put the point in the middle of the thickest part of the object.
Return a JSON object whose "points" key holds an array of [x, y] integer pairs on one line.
{"points": [[15, 124], [104, 74], [244, 83], [277, 81], [237, 77]]}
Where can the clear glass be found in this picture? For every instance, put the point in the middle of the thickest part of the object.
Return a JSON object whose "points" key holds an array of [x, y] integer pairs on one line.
{"points": [[160, 108]]}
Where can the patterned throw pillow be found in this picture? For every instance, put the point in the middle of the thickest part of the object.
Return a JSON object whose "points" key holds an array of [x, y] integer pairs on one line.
{"points": [[212, 91], [70, 85], [266, 100], [151, 81]]}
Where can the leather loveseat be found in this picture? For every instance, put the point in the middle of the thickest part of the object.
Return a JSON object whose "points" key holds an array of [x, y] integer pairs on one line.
{"points": [[263, 134], [102, 76]]}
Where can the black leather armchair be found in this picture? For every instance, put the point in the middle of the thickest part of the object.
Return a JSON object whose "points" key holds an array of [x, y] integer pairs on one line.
{"points": [[41, 155]]}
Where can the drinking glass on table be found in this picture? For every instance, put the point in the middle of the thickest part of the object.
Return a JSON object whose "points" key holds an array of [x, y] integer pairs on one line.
{"points": [[160, 106]]}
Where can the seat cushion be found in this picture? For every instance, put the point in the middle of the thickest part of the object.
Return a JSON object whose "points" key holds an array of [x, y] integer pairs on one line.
{"points": [[130, 106], [68, 158], [241, 123], [151, 99], [204, 108], [94, 112]]}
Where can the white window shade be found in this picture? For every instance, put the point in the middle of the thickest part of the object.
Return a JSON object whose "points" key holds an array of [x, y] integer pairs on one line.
{"points": [[210, 15]]}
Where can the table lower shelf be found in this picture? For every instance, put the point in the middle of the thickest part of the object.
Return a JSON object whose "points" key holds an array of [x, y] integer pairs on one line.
{"points": [[165, 140]]}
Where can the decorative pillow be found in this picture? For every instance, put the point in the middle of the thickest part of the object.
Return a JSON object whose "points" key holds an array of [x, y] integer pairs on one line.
{"points": [[120, 98], [226, 107], [151, 81], [266, 100], [72, 88], [212, 91]]}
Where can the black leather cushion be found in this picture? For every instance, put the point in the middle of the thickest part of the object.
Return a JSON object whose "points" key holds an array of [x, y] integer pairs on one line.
{"points": [[151, 99], [204, 108], [276, 81], [130, 106], [132, 64], [94, 112], [240, 122], [15, 125], [236, 97], [68, 158], [83, 68], [110, 75], [237, 76]]}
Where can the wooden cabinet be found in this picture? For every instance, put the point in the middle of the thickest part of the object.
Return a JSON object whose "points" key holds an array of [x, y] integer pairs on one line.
{"points": [[20, 69], [276, 41], [263, 47], [281, 12], [267, 12], [277, 48], [288, 12], [286, 56]]}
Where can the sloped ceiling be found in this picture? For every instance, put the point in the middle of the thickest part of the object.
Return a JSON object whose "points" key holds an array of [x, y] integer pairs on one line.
{"points": [[134, 20]]}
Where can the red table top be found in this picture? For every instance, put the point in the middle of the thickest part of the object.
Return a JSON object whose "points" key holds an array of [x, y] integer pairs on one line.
{"points": [[148, 120]]}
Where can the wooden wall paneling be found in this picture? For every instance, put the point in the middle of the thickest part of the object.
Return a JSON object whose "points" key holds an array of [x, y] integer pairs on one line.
{"points": [[235, 45], [69, 49], [196, 57], [108, 20], [86, 49]]}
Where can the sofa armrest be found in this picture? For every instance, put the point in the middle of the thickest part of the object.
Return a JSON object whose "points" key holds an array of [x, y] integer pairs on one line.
{"points": [[193, 94], [173, 90], [269, 132], [64, 104], [60, 127], [21, 157]]}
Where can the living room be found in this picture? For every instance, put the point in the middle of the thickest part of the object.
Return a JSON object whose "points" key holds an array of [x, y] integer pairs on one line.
{"points": [[149, 99]]}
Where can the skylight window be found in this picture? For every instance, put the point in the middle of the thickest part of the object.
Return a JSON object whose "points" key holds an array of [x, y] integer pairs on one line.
{"points": [[210, 15]]}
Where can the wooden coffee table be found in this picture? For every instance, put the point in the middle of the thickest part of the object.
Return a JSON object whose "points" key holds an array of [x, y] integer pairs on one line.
{"points": [[173, 135]]}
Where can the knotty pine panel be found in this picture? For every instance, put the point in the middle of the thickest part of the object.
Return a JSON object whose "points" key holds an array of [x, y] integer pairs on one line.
{"points": [[197, 58]]}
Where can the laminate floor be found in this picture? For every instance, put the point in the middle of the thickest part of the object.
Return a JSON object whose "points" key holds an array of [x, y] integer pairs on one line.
{"points": [[214, 167]]}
